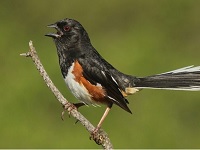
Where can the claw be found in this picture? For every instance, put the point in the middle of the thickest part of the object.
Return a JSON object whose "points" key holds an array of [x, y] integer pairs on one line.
{"points": [[69, 108], [96, 136], [94, 133], [76, 121], [63, 112]]}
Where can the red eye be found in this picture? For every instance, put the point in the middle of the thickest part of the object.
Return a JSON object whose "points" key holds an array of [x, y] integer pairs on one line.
{"points": [[67, 28]]}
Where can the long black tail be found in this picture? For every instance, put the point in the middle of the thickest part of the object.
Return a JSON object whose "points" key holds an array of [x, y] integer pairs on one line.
{"points": [[187, 78]]}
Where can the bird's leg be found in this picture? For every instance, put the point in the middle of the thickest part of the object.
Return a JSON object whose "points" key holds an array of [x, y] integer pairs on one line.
{"points": [[74, 106], [100, 123], [103, 118], [77, 105]]}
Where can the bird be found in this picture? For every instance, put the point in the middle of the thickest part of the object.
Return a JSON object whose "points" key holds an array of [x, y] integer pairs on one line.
{"points": [[93, 80]]}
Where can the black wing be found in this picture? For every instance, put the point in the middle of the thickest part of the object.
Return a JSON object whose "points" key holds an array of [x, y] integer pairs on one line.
{"points": [[96, 72]]}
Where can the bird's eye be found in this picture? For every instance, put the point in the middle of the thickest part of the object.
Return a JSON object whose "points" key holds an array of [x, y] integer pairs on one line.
{"points": [[67, 28]]}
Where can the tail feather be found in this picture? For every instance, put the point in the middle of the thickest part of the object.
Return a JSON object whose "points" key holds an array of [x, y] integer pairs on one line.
{"points": [[187, 78]]}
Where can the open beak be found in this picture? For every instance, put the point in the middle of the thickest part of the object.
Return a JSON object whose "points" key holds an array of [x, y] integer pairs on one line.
{"points": [[54, 35]]}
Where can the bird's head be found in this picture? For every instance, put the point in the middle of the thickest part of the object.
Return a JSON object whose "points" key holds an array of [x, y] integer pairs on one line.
{"points": [[69, 32]]}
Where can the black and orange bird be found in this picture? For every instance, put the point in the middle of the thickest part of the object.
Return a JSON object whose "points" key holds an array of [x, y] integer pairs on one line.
{"points": [[92, 80]]}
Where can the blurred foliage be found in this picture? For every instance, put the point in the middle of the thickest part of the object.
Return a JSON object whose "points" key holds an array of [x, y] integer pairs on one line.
{"points": [[139, 37]]}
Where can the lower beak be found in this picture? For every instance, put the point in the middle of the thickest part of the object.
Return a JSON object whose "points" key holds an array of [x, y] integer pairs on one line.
{"points": [[53, 35]]}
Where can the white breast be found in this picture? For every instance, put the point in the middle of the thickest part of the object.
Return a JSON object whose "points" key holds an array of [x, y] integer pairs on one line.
{"points": [[77, 89]]}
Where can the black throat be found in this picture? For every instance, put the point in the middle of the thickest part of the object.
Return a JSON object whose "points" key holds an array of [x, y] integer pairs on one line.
{"points": [[67, 55]]}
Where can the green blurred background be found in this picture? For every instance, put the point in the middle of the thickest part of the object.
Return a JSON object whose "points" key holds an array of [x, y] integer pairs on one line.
{"points": [[139, 37]]}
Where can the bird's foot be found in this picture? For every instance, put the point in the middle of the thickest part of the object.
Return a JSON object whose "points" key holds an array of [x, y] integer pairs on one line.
{"points": [[70, 108], [96, 136]]}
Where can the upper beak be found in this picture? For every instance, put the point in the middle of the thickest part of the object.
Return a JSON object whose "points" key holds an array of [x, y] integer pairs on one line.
{"points": [[54, 35], [52, 26]]}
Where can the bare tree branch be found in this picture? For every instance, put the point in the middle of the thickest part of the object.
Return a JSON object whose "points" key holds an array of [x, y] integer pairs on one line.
{"points": [[101, 137]]}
